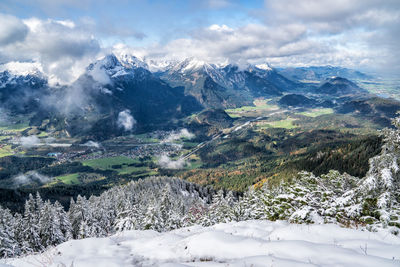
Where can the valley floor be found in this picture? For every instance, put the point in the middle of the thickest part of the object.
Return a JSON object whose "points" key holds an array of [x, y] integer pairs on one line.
{"points": [[248, 243]]}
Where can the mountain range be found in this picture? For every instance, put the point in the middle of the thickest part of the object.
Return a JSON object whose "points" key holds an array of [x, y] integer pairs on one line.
{"points": [[153, 95], [321, 73]]}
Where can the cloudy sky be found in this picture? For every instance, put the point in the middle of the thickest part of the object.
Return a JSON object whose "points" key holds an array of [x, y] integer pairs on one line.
{"points": [[62, 36]]}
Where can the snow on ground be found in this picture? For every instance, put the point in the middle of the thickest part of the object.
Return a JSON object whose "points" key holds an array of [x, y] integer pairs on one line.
{"points": [[249, 243]]}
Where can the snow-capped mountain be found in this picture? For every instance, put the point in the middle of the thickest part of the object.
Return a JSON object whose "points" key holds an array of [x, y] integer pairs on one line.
{"points": [[29, 80], [111, 66], [207, 84], [117, 65], [109, 86], [131, 61], [191, 69], [22, 68], [116, 83], [25, 74], [226, 85], [156, 91], [218, 72], [22, 93], [212, 85], [189, 65]]}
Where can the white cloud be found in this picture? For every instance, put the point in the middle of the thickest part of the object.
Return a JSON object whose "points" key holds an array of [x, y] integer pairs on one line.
{"points": [[11, 30], [183, 133], [29, 141], [91, 143], [62, 49], [30, 177], [166, 162], [358, 33], [250, 43], [100, 75], [67, 23], [126, 120]]}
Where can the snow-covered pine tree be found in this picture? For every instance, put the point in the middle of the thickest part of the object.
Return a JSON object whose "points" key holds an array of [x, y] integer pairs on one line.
{"points": [[65, 224], [151, 220], [9, 246], [76, 215], [128, 217], [379, 191], [195, 215], [165, 210], [219, 211], [30, 225], [84, 230], [97, 218], [249, 206], [50, 230]]}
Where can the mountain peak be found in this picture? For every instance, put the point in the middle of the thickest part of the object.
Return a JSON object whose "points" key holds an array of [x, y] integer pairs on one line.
{"points": [[160, 65], [190, 64], [131, 61], [264, 66], [339, 85], [115, 65], [22, 68], [22, 73], [109, 61]]}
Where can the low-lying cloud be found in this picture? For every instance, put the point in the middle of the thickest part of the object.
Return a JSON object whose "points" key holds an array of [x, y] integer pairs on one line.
{"points": [[99, 75], [176, 135], [167, 163], [125, 120], [29, 141], [29, 178], [92, 144]]}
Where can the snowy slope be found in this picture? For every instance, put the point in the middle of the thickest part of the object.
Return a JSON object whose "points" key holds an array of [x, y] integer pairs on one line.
{"points": [[249, 243]]}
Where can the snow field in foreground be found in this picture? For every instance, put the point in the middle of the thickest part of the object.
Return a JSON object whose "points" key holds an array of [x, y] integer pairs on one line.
{"points": [[248, 243]]}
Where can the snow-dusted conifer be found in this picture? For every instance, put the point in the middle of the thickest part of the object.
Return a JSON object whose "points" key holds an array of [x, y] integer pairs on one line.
{"points": [[50, 230], [219, 210], [65, 224], [76, 215], [8, 240], [128, 218], [31, 227]]}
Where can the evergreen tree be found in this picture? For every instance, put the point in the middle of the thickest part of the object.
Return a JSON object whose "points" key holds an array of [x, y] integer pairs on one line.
{"points": [[30, 223], [50, 229], [65, 224], [196, 215], [219, 210], [9, 245], [128, 218], [76, 215]]}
